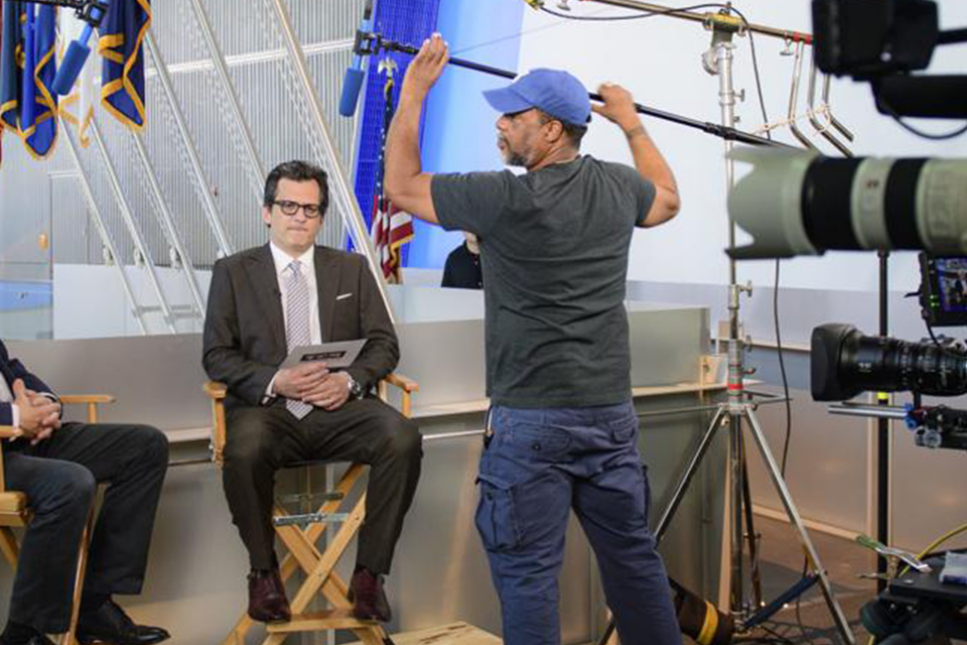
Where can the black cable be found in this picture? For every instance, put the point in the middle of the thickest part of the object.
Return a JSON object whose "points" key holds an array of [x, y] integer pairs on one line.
{"points": [[928, 135], [775, 293], [782, 371], [920, 133], [755, 67], [516, 36]]}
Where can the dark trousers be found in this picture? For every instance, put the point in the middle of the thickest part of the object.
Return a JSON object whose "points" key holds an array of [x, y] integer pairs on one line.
{"points": [[538, 466], [59, 477], [260, 440]]}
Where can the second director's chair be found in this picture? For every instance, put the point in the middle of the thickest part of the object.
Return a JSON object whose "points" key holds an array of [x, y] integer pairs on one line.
{"points": [[15, 511], [303, 552]]}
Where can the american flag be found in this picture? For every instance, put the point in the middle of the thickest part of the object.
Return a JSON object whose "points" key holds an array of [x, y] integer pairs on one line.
{"points": [[391, 227]]}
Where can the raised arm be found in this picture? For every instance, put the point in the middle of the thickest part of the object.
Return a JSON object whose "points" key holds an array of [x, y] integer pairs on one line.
{"points": [[407, 186], [619, 108]]}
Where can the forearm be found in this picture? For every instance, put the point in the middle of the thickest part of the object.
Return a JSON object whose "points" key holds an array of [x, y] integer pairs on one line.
{"points": [[647, 158], [651, 165]]}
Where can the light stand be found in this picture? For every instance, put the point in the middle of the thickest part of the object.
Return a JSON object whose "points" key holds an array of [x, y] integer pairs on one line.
{"points": [[738, 409]]}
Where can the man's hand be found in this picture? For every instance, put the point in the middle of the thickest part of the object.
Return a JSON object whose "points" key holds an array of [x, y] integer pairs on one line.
{"points": [[292, 382], [331, 394], [39, 416], [426, 68], [618, 107]]}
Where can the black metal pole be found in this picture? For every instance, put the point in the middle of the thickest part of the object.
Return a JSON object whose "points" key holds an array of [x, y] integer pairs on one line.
{"points": [[883, 436], [70, 4], [378, 43]]}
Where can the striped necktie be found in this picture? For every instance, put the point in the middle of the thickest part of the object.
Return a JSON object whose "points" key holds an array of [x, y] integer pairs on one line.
{"points": [[297, 324]]}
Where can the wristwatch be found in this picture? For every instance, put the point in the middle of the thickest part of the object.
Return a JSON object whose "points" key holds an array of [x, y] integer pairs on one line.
{"points": [[355, 389]]}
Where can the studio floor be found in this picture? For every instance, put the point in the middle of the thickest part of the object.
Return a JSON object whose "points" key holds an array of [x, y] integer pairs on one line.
{"points": [[809, 620]]}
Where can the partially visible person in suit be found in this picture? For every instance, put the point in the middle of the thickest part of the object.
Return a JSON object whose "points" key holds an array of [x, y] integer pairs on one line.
{"points": [[462, 268], [58, 467], [263, 302]]}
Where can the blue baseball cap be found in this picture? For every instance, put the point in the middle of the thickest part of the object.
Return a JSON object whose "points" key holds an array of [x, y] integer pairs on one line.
{"points": [[553, 91]]}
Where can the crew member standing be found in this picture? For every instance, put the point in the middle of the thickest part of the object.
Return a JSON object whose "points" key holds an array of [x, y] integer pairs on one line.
{"points": [[563, 430]]}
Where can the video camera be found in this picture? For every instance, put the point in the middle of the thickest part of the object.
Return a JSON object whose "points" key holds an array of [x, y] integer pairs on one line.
{"points": [[881, 43], [845, 362]]}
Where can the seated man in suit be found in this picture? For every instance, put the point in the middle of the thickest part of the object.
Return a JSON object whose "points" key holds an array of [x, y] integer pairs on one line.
{"points": [[262, 303], [58, 466]]}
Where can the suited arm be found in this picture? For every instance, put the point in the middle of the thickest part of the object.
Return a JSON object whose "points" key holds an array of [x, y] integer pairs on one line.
{"points": [[381, 352], [31, 380], [13, 370], [222, 356], [7, 415]]}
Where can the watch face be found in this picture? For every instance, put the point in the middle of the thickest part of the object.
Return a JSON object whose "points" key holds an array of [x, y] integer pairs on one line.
{"points": [[355, 388]]}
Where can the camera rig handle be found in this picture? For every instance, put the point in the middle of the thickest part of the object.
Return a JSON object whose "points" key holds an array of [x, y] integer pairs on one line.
{"points": [[934, 426]]}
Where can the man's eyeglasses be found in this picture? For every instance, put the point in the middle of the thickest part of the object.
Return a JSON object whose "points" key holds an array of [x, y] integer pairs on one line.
{"points": [[290, 208]]}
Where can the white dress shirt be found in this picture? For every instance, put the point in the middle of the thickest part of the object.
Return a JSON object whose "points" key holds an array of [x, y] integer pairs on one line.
{"points": [[282, 273]]}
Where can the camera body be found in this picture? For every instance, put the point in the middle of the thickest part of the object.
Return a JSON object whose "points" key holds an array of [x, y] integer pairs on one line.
{"points": [[870, 40]]}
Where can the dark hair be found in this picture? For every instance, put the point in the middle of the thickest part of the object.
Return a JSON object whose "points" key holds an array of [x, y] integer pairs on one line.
{"points": [[573, 132], [297, 171]]}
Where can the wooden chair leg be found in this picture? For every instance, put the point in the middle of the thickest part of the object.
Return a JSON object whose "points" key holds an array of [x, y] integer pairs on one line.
{"points": [[303, 554], [8, 544], [237, 635], [70, 638]]}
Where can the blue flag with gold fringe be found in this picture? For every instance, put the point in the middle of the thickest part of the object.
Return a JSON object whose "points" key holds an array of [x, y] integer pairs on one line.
{"points": [[28, 65], [121, 37]]}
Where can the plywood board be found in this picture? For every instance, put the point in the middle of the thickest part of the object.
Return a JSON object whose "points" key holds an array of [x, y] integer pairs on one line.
{"points": [[453, 634]]}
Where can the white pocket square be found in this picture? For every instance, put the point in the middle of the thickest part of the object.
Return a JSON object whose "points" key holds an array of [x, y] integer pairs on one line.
{"points": [[343, 296]]}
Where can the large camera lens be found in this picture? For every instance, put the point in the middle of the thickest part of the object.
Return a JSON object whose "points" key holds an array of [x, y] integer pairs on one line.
{"points": [[846, 363], [799, 203]]}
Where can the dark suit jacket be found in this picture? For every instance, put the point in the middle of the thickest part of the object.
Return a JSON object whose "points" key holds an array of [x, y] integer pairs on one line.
{"points": [[12, 369], [244, 339]]}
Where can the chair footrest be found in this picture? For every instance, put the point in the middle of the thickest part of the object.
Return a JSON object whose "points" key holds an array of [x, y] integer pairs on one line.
{"points": [[301, 498], [319, 620], [309, 518]]}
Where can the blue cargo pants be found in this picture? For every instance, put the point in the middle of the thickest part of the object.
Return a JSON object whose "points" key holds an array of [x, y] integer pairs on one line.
{"points": [[539, 464]]}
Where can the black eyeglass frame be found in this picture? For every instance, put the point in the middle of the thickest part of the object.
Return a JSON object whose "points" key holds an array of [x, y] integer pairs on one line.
{"points": [[290, 208]]}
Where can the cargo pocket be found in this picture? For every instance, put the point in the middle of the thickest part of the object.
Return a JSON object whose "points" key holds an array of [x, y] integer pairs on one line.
{"points": [[624, 430], [496, 518]]}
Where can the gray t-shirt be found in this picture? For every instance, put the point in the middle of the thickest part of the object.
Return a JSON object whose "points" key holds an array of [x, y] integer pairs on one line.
{"points": [[554, 250]]}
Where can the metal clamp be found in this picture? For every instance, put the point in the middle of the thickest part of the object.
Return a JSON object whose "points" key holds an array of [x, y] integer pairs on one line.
{"points": [[893, 555]]}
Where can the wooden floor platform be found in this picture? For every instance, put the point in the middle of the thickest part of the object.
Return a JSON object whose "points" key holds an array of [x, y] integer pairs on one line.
{"points": [[453, 634]]}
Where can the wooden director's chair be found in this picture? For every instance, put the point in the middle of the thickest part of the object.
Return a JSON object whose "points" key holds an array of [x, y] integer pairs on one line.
{"points": [[319, 566], [15, 511]]}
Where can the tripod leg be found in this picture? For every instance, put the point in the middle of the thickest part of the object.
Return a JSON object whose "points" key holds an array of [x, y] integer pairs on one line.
{"points": [[837, 612], [750, 527], [690, 471]]}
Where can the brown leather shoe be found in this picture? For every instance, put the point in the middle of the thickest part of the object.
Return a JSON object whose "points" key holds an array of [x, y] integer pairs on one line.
{"points": [[368, 598], [266, 597]]}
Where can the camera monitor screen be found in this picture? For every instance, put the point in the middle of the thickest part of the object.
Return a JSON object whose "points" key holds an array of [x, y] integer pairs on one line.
{"points": [[943, 290]]}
